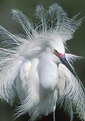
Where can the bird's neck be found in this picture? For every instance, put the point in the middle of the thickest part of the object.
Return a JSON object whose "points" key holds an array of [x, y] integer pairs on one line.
{"points": [[47, 69]]}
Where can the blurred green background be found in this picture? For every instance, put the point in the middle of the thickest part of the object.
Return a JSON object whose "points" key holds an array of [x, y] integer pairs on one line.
{"points": [[76, 45]]}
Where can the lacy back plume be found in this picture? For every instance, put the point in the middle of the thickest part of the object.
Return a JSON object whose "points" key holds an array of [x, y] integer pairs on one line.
{"points": [[52, 22]]}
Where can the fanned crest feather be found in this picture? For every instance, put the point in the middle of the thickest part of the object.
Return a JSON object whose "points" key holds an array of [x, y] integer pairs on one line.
{"points": [[24, 21], [63, 24], [22, 50]]}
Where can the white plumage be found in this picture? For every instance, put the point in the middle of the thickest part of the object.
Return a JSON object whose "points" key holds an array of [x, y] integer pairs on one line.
{"points": [[36, 68]]}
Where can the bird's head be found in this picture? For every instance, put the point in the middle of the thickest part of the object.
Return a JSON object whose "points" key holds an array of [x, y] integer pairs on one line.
{"points": [[58, 49]]}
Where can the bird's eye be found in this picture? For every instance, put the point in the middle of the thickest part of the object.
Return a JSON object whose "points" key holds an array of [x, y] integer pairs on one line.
{"points": [[55, 52]]}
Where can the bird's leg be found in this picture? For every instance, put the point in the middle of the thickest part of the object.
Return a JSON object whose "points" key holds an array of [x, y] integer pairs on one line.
{"points": [[54, 116]]}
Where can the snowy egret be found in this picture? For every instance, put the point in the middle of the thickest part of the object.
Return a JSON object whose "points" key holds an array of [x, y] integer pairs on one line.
{"points": [[36, 67]]}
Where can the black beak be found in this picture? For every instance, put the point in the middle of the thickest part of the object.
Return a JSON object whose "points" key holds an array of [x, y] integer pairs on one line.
{"points": [[66, 63]]}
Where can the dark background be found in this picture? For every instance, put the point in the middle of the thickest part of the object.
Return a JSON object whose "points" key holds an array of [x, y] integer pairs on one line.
{"points": [[76, 45]]}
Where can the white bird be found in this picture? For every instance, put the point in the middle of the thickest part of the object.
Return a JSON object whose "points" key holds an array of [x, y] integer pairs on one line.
{"points": [[36, 67]]}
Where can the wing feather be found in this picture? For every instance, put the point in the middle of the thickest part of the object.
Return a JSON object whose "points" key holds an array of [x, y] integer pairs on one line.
{"points": [[72, 93]]}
